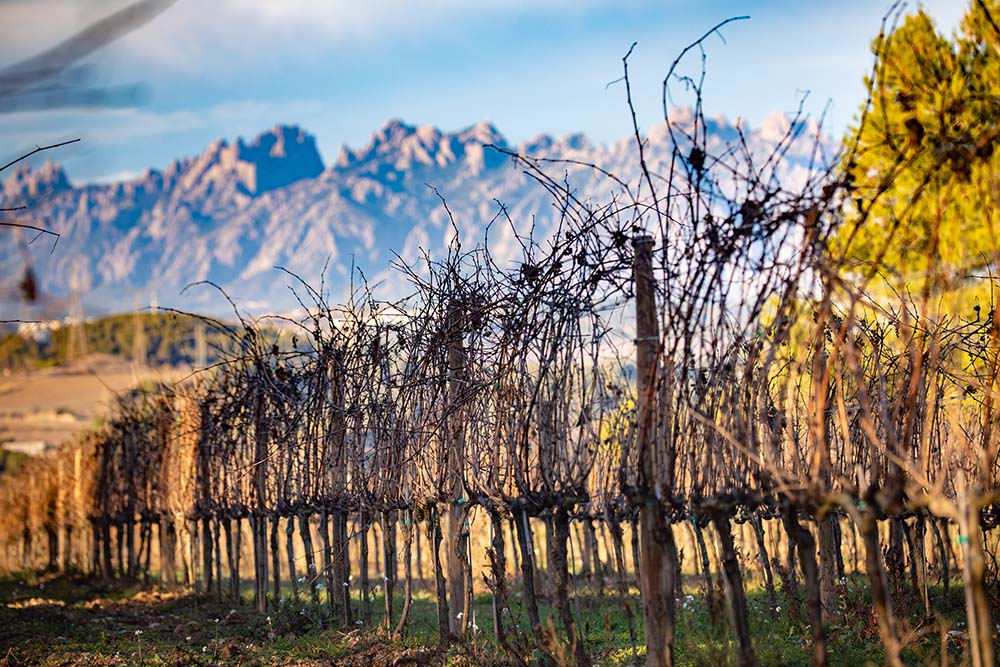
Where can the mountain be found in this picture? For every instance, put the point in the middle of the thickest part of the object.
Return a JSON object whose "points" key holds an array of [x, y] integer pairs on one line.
{"points": [[233, 213]]}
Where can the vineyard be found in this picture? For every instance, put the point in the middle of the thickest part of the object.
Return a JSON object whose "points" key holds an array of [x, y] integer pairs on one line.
{"points": [[720, 375]]}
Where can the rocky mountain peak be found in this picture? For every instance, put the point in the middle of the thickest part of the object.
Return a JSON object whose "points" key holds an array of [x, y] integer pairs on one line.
{"points": [[276, 158], [404, 147], [212, 217], [26, 183], [484, 132]]}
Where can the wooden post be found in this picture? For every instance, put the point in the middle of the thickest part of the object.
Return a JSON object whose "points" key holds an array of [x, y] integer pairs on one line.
{"points": [[656, 566], [525, 543], [290, 551], [388, 567], [408, 531], [977, 606], [805, 547], [455, 559], [276, 558], [312, 576], [881, 599], [340, 545], [76, 507], [204, 481], [324, 536], [257, 519], [434, 537], [735, 593], [560, 569]]}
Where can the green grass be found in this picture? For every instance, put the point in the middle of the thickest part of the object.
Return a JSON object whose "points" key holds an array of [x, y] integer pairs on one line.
{"points": [[57, 620]]}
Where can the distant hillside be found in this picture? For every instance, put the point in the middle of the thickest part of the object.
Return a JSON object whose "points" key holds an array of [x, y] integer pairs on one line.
{"points": [[164, 339], [232, 213]]}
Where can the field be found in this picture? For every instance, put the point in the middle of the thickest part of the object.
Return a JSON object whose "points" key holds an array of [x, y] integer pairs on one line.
{"points": [[52, 405], [51, 620]]}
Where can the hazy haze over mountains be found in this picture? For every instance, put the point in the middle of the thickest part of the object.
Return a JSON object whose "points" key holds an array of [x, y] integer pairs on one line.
{"points": [[233, 213]]}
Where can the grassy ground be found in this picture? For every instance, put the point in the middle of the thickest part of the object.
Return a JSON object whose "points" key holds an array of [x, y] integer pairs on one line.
{"points": [[66, 621]]}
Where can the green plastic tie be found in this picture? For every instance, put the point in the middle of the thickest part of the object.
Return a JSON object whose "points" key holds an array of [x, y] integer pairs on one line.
{"points": [[962, 539]]}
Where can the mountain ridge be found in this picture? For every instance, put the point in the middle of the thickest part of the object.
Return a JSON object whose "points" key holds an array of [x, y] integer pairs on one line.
{"points": [[239, 208]]}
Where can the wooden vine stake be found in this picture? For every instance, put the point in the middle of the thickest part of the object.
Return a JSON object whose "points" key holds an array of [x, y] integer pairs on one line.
{"points": [[656, 567]]}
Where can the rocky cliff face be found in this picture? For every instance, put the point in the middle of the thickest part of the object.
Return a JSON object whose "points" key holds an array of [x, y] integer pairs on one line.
{"points": [[233, 213]]}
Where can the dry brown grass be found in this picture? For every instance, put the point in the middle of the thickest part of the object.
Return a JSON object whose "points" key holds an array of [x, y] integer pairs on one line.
{"points": [[53, 405]]}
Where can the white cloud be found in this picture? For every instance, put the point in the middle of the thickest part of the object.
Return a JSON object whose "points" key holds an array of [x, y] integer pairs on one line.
{"points": [[194, 33], [116, 177]]}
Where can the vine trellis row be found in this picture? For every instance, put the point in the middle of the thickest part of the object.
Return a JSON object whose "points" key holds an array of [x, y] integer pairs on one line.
{"points": [[689, 365]]}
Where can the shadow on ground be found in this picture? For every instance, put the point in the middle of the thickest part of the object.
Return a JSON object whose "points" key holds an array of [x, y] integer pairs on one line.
{"points": [[74, 621]]}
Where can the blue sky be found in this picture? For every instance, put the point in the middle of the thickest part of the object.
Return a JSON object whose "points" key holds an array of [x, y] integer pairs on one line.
{"points": [[341, 68]]}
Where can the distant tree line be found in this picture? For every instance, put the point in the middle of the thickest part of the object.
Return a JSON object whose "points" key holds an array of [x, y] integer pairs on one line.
{"points": [[163, 338]]}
